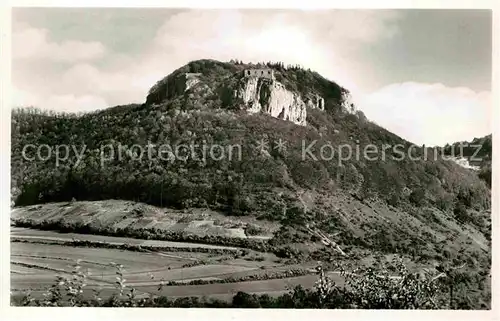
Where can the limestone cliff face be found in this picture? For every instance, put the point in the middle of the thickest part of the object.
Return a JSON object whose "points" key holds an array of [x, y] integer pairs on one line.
{"points": [[347, 103], [315, 101], [271, 97], [191, 80]]}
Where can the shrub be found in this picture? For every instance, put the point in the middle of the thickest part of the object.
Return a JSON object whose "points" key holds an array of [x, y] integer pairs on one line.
{"points": [[460, 212], [253, 230], [445, 201], [394, 200], [417, 197], [245, 300], [486, 174]]}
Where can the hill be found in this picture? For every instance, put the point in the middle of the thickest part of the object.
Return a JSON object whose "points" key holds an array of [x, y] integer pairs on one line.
{"points": [[433, 208]]}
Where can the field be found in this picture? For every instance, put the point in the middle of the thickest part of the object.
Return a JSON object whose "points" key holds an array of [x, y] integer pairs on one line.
{"points": [[184, 271], [200, 253], [118, 214], [36, 260]]}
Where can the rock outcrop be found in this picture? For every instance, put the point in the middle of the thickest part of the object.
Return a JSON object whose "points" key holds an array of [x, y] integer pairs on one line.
{"points": [[176, 86], [464, 162], [315, 101], [271, 97], [347, 103], [191, 79]]}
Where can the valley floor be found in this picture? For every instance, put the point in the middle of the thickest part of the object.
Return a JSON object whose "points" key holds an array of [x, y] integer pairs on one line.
{"points": [[36, 261], [204, 254]]}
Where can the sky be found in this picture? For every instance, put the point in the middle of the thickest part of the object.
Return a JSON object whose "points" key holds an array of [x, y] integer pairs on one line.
{"points": [[423, 74]]}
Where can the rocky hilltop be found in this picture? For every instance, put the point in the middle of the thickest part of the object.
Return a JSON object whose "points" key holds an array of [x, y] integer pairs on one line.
{"points": [[261, 88]]}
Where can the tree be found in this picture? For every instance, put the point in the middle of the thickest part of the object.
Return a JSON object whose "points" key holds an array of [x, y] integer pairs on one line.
{"points": [[245, 300], [460, 212], [451, 277], [417, 197]]}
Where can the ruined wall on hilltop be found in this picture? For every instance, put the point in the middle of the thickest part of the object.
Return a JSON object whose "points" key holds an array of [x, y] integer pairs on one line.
{"points": [[259, 72]]}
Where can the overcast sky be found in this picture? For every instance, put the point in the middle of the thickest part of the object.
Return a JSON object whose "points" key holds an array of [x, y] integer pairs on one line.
{"points": [[423, 74]]}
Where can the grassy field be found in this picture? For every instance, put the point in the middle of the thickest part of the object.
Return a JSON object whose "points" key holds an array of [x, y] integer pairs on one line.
{"points": [[36, 263], [265, 286]]}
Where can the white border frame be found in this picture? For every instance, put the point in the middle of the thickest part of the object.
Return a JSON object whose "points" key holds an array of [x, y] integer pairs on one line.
{"points": [[53, 314]]}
